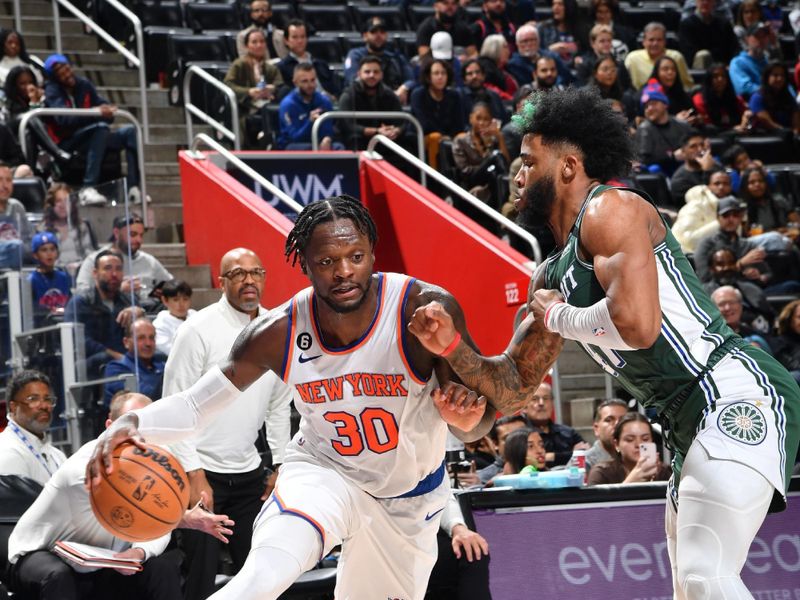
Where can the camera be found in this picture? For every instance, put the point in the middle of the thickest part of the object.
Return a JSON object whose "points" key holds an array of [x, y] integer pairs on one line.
{"points": [[462, 466]]}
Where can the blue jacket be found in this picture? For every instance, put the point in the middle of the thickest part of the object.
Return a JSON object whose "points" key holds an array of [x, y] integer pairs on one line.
{"points": [[50, 290], [521, 69], [396, 68], [150, 378], [746, 73], [84, 96], [294, 122], [101, 329]]}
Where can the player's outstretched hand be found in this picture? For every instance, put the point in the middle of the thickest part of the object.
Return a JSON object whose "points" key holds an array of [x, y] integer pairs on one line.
{"points": [[541, 301], [433, 326], [474, 545], [201, 519], [459, 406], [120, 431]]}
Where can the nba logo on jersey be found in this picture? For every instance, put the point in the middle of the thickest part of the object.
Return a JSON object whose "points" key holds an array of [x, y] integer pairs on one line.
{"points": [[598, 331]]}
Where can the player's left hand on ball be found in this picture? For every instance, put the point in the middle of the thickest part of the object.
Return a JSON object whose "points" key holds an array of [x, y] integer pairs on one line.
{"points": [[459, 406], [541, 301], [433, 326], [473, 544]]}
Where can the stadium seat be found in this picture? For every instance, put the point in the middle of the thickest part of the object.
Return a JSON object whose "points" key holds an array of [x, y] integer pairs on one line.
{"points": [[327, 18], [636, 17], [787, 179], [326, 47], [405, 42], [16, 495], [719, 145], [160, 13], [350, 40], [395, 20], [229, 36], [768, 149], [417, 13], [699, 75], [655, 184], [208, 98], [281, 13], [201, 16], [155, 51], [543, 13], [183, 50], [31, 191]]}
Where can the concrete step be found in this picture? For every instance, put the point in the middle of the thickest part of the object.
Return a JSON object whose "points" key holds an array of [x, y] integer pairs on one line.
{"points": [[204, 297], [162, 115], [112, 77], [164, 193], [167, 254], [43, 43], [42, 24], [37, 8], [167, 213], [197, 276], [128, 96], [163, 152]]}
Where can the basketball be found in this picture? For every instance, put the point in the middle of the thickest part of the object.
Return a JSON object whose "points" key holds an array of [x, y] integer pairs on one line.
{"points": [[145, 495]]}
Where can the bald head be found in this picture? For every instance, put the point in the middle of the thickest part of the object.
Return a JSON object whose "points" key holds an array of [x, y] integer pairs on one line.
{"points": [[242, 279], [232, 257], [125, 402]]}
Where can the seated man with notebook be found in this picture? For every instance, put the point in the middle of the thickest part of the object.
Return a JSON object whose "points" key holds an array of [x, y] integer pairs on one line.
{"points": [[62, 513]]}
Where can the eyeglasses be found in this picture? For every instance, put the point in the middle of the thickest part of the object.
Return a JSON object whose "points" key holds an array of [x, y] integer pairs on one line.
{"points": [[541, 398], [239, 275], [40, 400]]}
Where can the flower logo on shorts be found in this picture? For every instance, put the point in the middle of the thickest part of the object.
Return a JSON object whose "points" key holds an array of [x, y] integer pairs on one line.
{"points": [[743, 422]]}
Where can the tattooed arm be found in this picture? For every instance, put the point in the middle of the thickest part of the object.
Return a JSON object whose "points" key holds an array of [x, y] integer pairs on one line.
{"points": [[507, 379]]}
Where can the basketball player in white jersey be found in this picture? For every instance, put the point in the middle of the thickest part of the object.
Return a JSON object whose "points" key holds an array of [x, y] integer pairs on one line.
{"points": [[366, 468]]}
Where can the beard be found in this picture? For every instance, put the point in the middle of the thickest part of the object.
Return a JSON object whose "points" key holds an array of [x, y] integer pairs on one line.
{"points": [[348, 308], [373, 48], [446, 19], [539, 199], [496, 15]]}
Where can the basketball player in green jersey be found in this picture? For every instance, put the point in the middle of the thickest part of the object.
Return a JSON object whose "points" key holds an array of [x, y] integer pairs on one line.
{"points": [[619, 285]]}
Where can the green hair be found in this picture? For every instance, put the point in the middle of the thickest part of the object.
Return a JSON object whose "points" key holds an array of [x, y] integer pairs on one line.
{"points": [[524, 118]]}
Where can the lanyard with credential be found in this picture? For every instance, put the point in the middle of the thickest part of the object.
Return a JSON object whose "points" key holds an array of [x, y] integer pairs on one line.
{"points": [[24, 438]]}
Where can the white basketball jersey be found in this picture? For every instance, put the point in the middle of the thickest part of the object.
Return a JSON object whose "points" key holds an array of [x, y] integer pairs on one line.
{"points": [[364, 411]]}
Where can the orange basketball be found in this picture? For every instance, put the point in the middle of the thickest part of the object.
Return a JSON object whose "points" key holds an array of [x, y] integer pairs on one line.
{"points": [[145, 495]]}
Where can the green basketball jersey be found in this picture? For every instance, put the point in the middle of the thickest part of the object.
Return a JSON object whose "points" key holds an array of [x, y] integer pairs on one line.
{"points": [[691, 328]]}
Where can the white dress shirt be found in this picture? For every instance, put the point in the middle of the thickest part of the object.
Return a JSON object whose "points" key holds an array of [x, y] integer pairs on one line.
{"points": [[227, 445], [63, 511], [37, 462], [166, 328]]}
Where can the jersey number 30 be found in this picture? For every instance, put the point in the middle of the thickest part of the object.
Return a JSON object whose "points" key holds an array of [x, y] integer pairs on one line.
{"points": [[374, 428]]}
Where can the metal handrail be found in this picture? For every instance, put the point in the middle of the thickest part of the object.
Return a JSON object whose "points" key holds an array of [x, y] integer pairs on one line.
{"points": [[369, 114], [136, 61], [93, 112], [242, 166], [465, 195], [191, 109], [17, 16]]}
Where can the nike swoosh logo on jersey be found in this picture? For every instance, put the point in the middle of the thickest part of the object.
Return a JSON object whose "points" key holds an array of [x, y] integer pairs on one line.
{"points": [[305, 359], [429, 516]]}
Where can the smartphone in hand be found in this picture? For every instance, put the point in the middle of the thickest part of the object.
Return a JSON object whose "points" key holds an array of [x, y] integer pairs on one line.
{"points": [[648, 450]]}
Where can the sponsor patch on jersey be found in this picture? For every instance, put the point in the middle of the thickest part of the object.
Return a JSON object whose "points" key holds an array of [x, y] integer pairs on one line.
{"points": [[304, 341], [598, 331], [743, 422]]}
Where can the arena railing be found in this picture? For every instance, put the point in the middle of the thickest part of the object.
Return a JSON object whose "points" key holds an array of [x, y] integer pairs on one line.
{"points": [[454, 188], [232, 133], [136, 61], [93, 112], [202, 138]]}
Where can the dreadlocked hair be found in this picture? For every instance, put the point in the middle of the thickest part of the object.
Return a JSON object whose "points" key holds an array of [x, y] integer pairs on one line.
{"points": [[324, 211], [581, 118]]}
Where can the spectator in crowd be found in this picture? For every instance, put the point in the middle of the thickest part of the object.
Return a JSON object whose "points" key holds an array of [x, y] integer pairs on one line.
{"points": [[698, 164], [75, 236], [766, 211], [23, 94], [143, 271], [494, 20], [462, 562], [718, 107], [475, 90], [545, 77], [601, 46], [566, 33], [14, 54], [524, 447], [606, 12], [498, 434], [749, 256], [89, 135], [756, 311], [176, 295], [605, 78], [560, 440], [494, 57], [629, 465], [750, 13], [63, 511], [25, 446], [50, 286], [300, 108], [640, 63], [698, 217], [15, 229], [747, 66], [445, 18], [729, 302], [297, 43], [665, 72], [774, 104], [261, 19], [437, 107], [482, 160], [787, 343], [369, 93], [222, 461], [523, 62], [658, 138], [606, 416], [255, 81], [104, 311], [397, 71], [737, 160], [705, 37], [140, 360], [510, 131], [442, 48]]}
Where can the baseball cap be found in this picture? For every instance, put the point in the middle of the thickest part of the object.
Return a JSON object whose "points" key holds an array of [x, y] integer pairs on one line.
{"points": [[756, 27], [442, 45], [121, 221], [375, 23], [653, 90], [729, 203], [42, 238], [53, 61]]}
